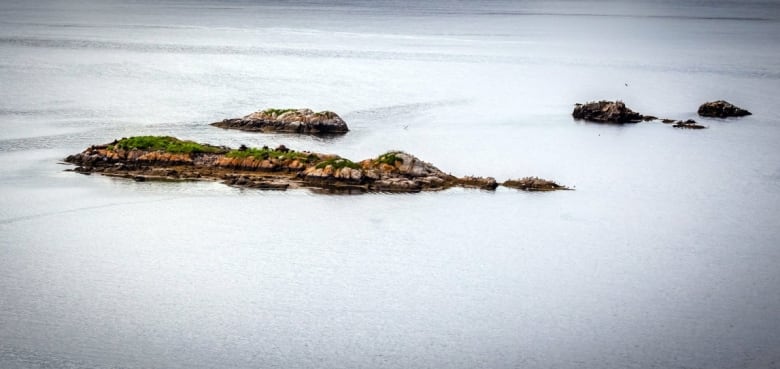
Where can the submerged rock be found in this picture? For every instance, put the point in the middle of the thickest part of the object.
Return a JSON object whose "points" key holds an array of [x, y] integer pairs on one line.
{"points": [[533, 184], [606, 112], [721, 109], [288, 121]]}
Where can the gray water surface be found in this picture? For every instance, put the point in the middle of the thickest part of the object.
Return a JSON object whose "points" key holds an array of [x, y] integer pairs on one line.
{"points": [[665, 256]]}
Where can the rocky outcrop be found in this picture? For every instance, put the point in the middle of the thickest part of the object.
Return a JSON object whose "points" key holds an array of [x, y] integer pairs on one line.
{"points": [[534, 184], [395, 171], [688, 124], [721, 109], [617, 112], [482, 183], [288, 121], [266, 168], [606, 112]]}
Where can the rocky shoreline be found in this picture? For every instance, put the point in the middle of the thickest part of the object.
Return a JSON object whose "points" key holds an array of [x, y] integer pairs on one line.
{"points": [[145, 158]]}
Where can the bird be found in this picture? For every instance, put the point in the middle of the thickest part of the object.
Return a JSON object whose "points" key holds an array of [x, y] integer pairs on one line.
{"points": [[406, 126], [626, 83]]}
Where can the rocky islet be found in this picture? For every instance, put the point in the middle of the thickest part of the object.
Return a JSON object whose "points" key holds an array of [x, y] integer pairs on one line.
{"points": [[721, 109], [303, 121], [534, 184], [606, 112], [167, 158], [618, 113]]}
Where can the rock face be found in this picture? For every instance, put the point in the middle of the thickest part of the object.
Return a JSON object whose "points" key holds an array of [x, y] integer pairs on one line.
{"points": [[721, 109], [534, 184], [288, 121], [606, 112], [266, 168]]}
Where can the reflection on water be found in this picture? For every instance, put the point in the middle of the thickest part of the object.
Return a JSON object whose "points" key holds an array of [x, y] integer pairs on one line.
{"points": [[664, 256]]}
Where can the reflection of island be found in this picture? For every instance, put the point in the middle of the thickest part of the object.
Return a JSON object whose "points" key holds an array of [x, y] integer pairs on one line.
{"points": [[168, 158], [288, 121]]}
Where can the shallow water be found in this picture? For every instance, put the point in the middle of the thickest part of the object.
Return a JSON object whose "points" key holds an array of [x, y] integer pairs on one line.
{"points": [[665, 255]]}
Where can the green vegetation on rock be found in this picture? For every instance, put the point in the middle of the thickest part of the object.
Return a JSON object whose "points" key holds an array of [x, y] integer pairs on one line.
{"points": [[389, 158], [338, 163], [325, 114], [278, 112], [164, 143], [266, 153]]}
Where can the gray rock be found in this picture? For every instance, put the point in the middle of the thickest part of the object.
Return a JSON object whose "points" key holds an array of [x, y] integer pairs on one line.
{"points": [[721, 109], [288, 120], [606, 112]]}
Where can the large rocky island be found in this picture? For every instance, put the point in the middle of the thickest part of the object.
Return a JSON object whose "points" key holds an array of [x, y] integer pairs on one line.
{"points": [[167, 158], [288, 121]]}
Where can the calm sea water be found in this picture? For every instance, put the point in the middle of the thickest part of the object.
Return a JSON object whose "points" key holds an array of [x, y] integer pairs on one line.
{"points": [[666, 255]]}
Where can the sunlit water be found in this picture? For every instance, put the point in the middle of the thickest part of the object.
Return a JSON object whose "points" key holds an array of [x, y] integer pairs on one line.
{"points": [[666, 255]]}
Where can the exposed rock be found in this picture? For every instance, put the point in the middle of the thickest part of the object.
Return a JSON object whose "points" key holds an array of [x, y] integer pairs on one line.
{"points": [[688, 124], [617, 112], [288, 120], [264, 168], [484, 183], [721, 109], [330, 176], [533, 184], [282, 148], [606, 112]]}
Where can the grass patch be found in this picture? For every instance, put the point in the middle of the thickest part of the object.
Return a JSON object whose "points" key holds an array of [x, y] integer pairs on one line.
{"points": [[267, 153], [278, 112], [338, 163], [164, 143], [325, 114], [389, 158]]}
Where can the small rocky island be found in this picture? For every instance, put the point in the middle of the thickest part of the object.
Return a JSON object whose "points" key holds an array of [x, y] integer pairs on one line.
{"points": [[617, 112], [721, 109], [288, 121], [534, 184], [607, 112], [167, 158]]}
